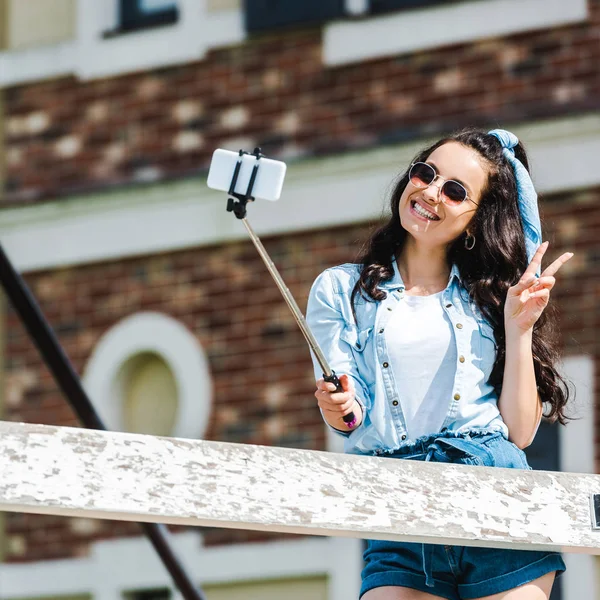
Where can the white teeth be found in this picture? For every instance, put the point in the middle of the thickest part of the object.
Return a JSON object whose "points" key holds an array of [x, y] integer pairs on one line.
{"points": [[424, 213]]}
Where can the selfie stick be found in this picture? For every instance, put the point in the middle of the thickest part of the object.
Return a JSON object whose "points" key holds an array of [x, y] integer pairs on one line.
{"points": [[238, 207]]}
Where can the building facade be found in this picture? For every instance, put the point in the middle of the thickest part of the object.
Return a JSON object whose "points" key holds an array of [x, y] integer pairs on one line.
{"points": [[110, 112]]}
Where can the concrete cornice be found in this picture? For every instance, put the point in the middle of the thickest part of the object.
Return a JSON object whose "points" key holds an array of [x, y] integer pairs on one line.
{"points": [[318, 193]]}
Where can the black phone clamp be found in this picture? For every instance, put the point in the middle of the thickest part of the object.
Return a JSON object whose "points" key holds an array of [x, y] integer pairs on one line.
{"points": [[236, 203]]}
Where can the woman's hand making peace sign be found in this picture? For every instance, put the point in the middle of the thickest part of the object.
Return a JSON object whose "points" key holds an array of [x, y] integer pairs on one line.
{"points": [[526, 301]]}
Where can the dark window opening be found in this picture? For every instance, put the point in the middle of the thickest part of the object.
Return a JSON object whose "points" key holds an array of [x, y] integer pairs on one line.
{"points": [[160, 594], [268, 15], [142, 14], [265, 15], [544, 452], [383, 6]]}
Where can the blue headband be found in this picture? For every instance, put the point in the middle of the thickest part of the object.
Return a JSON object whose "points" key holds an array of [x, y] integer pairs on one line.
{"points": [[528, 206]]}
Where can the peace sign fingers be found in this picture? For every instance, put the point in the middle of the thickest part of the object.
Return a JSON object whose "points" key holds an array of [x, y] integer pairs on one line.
{"points": [[552, 269], [546, 279], [529, 276]]}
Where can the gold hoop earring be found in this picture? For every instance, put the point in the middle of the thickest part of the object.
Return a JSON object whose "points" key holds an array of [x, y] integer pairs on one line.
{"points": [[468, 244]]}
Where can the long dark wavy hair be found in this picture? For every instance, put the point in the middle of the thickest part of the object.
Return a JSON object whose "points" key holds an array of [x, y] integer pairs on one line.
{"points": [[497, 262]]}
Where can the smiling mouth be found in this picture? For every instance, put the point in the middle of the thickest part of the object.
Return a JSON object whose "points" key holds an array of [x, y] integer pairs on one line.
{"points": [[423, 212]]}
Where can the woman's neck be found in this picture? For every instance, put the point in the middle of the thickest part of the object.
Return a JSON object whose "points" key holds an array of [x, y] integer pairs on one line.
{"points": [[424, 270]]}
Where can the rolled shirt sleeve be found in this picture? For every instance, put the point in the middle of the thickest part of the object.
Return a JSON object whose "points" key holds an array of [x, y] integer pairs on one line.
{"points": [[327, 323]]}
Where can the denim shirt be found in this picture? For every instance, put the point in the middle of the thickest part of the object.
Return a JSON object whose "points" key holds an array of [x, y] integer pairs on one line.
{"points": [[359, 350]]}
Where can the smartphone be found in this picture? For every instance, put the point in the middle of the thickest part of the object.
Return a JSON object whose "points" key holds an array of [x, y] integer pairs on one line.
{"points": [[269, 178]]}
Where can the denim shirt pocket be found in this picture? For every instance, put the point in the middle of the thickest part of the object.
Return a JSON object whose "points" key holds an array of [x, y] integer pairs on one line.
{"points": [[487, 347], [357, 339]]}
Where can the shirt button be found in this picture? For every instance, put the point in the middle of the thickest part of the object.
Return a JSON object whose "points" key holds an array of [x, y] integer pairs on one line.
{"points": [[449, 305], [381, 330], [459, 326], [395, 402], [403, 437], [386, 365], [457, 396], [389, 308], [462, 359]]}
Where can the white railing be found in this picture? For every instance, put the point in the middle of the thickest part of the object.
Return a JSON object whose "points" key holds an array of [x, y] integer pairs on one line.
{"points": [[79, 472]]}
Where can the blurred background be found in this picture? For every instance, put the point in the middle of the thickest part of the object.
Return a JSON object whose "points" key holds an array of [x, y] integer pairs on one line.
{"points": [[109, 113]]}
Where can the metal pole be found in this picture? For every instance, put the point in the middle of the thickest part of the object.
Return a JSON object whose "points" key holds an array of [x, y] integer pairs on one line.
{"points": [[328, 373], [291, 302], [68, 381]]}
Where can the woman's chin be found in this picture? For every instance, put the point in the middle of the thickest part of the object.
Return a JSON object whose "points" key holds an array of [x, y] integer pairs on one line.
{"points": [[414, 226]]}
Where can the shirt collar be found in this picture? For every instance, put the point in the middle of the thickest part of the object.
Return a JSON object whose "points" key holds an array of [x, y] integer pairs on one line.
{"points": [[396, 283], [454, 274]]}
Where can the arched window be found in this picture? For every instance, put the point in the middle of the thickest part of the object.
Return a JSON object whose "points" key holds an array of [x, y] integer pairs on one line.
{"points": [[149, 374], [149, 393]]}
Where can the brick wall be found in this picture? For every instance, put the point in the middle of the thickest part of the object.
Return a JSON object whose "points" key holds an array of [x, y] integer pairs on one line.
{"points": [[262, 373], [65, 136]]}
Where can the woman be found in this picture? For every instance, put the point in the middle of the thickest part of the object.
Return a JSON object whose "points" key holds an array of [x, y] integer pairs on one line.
{"points": [[441, 340]]}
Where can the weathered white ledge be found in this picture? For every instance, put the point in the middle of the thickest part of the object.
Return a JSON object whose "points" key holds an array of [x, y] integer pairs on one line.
{"points": [[76, 472]]}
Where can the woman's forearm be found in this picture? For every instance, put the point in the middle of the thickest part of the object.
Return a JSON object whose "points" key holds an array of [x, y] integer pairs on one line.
{"points": [[519, 402]]}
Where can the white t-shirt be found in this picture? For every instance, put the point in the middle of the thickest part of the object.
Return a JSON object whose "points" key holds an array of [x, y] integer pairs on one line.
{"points": [[419, 338]]}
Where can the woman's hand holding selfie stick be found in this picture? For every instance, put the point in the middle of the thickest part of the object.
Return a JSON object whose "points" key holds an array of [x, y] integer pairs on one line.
{"points": [[337, 402]]}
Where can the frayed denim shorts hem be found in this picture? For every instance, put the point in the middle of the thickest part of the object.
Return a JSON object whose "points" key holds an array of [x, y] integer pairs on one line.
{"points": [[532, 566], [457, 572]]}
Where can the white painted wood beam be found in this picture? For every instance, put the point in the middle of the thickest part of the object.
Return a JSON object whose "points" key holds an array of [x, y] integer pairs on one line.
{"points": [[77, 472]]}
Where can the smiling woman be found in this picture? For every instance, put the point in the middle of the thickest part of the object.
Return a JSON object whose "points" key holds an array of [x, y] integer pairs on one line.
{"points": [[441, 340]]}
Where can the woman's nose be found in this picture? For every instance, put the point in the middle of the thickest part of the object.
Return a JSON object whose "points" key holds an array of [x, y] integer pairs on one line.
{"points": [[433, 190]]}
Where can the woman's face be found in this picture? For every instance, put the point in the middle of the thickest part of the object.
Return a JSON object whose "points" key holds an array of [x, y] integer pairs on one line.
{"points": [[445, 223]]}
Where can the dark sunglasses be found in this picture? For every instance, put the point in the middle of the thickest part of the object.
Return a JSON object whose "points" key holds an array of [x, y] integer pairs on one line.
{"points": [[453, 193]]}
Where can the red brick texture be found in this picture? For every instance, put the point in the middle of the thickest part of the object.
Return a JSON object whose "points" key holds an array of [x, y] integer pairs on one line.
{"points": [[66, 136]]}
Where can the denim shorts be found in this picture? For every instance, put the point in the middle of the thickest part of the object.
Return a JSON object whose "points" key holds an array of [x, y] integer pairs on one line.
{"points": [[457, 572]]}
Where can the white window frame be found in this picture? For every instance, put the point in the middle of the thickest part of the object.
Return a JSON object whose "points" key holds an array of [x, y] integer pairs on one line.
{"points": [[337, 559], [93, 55], [412, 30], [168, 338], [186, 40], [577, 455]]}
